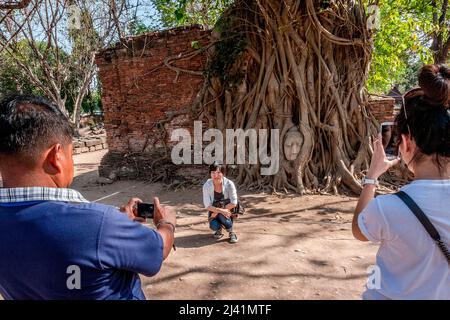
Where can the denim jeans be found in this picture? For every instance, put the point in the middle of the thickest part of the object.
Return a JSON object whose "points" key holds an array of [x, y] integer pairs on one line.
{"points": [[221, 221]]}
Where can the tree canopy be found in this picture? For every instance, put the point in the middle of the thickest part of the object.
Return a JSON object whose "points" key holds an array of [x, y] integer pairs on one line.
{"points": [[410, 33], [408, 37]]}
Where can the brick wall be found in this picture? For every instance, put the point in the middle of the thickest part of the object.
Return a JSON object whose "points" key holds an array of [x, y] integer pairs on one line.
{"points": [[383, 108], [138, 90], [89, 144]]}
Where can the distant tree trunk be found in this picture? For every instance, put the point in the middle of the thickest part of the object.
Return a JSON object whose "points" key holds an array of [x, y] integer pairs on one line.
{"points": [[83, 89], [441, 37], [441, 50], [300, 67]]}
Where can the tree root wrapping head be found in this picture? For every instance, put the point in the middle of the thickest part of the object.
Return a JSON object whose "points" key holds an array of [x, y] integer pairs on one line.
{"points": [[299, 67]]}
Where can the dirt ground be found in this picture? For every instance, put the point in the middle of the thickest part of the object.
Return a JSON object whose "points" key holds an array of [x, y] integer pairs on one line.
{"points": [[289, 247]]}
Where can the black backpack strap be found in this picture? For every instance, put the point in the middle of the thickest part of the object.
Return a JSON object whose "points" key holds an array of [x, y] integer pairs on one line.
{"points": [[420, 215], [412, 205]]}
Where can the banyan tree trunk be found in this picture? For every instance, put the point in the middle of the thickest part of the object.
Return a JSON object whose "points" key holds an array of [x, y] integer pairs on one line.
{"points": [[299, 66]]}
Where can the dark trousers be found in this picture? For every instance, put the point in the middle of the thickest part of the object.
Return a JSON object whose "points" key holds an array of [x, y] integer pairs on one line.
{"points": [[219, 222]]}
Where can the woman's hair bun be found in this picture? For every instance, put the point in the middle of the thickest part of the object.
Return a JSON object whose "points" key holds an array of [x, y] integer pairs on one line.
{"points": [[435, 83]]}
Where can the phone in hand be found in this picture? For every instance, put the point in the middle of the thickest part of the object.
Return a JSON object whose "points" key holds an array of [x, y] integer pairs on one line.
{"points": [[145, 210], [390, 140]]}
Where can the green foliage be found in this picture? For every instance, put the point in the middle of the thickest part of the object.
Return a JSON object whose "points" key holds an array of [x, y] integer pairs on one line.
{"points": [[12, 77], [409, 79], [196, 45], [208, 13], [228, 50], [402, 44], [138, 27], [11, 80], [92, 102], [14, 80], [188, 12]]}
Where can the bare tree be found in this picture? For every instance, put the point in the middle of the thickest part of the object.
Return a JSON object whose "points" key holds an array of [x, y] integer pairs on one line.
{"points": [[6, 9], [62, 38], [37, 36]]}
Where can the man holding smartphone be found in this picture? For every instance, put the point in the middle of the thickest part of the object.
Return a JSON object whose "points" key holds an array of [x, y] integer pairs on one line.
{"points": [[53, 243]]}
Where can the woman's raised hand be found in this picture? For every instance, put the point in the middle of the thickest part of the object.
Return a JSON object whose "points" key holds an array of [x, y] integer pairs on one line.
{"points": [[380, 163]]}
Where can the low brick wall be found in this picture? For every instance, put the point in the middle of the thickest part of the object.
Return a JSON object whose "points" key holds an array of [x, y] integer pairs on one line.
{"points": [[89, 144]]}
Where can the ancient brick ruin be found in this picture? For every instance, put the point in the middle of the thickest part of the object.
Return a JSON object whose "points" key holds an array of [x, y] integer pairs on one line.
{"points": [[143, 95], [383, 108], [139, 90]]}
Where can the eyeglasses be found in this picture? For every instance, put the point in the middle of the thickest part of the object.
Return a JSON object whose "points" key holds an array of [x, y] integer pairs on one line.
{"points": [[415, 92]]}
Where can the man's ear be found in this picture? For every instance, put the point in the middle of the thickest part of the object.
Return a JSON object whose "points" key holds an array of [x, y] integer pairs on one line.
{"points": [[54, 158]]}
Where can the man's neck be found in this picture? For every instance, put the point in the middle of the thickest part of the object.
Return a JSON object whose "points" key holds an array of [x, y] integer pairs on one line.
{"points": [[29, 180]]}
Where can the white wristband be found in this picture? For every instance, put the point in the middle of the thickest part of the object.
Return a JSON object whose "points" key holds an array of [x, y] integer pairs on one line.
{"points": [[366, 181]]}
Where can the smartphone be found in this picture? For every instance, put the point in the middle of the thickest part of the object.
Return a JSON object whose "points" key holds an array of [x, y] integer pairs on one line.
{"points": [[390, 139], [145, 210]]}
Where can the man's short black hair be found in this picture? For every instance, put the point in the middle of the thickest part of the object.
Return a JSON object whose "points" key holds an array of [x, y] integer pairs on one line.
{"points": [[30, 124]]}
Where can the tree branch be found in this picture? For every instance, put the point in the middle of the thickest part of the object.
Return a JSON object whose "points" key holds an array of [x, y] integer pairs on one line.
{"points": [[13, 5], [443, 12], [333, 38]]}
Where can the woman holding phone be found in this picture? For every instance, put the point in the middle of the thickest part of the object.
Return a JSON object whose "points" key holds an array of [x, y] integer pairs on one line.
{"points": [[412, 264]]}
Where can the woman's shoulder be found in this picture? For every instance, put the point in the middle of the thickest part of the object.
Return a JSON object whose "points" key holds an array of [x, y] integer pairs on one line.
{"points": [[386, 201], [383, 207], [228, 181], [390, 208], [208, 183]]}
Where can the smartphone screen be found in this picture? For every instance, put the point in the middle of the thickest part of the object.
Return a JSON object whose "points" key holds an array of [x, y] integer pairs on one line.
{"points": [[389, 139]]}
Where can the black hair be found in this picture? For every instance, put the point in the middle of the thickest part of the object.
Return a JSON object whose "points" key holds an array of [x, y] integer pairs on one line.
{"points": [[427, 116], [215, 165], [30, 124]]}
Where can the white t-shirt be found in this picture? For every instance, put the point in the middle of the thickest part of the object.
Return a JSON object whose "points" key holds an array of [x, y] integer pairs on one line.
{"points": [[411, 264]]}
